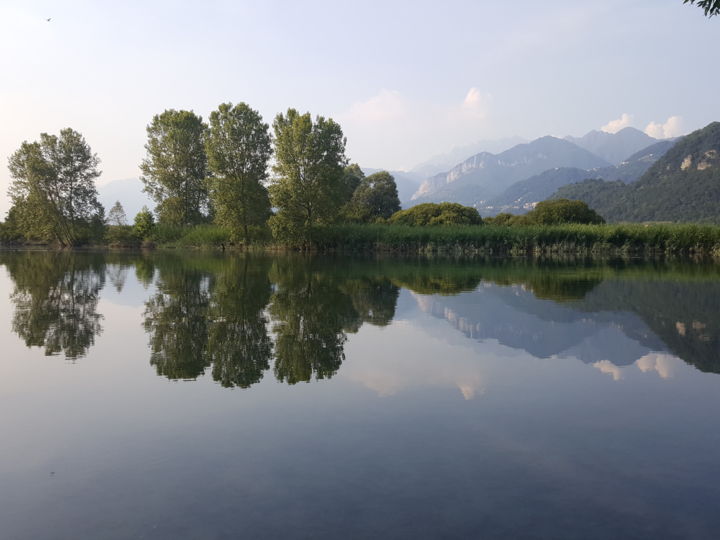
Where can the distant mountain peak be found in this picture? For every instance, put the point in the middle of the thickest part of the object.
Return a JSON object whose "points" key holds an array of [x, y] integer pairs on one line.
{"points": [[613, 147]]}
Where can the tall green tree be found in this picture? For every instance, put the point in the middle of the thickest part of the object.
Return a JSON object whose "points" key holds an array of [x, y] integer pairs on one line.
{"points": [[308, 186], [376, 197], [53, 189], [175, 167], [238, 149]]}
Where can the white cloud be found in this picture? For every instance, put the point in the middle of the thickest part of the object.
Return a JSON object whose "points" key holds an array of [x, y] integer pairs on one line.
{"points": [[671, 128], [613, 126], [395, 131], [663, 364], [607, 367]]}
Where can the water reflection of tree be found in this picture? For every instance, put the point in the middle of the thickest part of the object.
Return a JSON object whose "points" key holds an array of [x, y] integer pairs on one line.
{"points": [[176, 319], [55, 300], [309, 312], [238, 343], [313, 309]]}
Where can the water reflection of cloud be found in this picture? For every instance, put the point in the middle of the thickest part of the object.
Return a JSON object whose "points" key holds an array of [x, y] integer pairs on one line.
{"points": [[663, 364], [411, 358], [607, 367]]}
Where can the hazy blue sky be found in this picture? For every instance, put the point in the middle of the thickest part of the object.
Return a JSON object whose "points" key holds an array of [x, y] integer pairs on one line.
{"points": [[406, 80]]}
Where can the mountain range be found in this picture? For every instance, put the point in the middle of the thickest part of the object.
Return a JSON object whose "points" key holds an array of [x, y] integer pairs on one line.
{"points": [[683, 185], [485, 175], [613, 147]]}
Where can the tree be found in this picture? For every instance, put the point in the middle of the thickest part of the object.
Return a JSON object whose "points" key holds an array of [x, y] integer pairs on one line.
{"points": [[307, 188], [175, 167], [144, 223], [711, 7], [558, 211], [238, 149], [53, 192], [116, 216], [352, 176], [437, 214], [376, 197]]}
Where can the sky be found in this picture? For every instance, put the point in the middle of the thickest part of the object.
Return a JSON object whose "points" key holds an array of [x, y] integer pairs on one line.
{"points": [[406, 80]]}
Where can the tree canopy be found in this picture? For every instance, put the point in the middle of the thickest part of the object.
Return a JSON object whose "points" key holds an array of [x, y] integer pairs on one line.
{"points": [[558, 211], [437, 214], [307, 188], [53, 189], [238, 149], [175, 167], [376, 197]]}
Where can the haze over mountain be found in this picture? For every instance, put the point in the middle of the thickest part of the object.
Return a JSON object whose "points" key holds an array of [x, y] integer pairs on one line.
{"points": [[683, 185], [613, 147], [446, 161], [485, 175]]}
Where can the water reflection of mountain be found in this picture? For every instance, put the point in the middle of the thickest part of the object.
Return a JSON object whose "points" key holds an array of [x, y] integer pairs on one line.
{"points": [[616, 320]]}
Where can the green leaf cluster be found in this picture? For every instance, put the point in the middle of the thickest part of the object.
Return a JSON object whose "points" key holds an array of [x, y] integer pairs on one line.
{"points": [[437, 214]]}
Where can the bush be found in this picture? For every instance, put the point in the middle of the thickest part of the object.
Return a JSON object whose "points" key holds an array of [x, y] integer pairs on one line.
{"points": [[560, 211], [121, 236], [437, 214]]}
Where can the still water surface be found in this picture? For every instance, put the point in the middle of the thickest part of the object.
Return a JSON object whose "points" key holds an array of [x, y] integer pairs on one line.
{"points": [[202, 396]]}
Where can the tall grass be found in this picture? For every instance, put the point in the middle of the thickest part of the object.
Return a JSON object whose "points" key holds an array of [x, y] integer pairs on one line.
{"points": [[630, 239]]}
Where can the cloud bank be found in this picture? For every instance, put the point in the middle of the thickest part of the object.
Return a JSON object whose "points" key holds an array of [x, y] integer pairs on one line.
{"points": [[396, 131], [613, 126], [671, 128]]}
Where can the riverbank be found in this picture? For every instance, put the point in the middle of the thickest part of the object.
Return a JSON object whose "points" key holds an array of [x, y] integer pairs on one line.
{"points": [[626, 240]]}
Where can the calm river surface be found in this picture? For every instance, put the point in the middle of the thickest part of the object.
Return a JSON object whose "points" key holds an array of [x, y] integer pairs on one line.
{"points": [[206, 396]]}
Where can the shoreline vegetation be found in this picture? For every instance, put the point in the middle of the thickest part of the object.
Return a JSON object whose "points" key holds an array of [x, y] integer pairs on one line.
{"points": [[235, 183], [582, 240]]}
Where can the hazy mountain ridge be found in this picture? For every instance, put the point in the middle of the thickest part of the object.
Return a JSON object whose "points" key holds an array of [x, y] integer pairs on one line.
{"points": [[613, 147], [683, 185], [523, 195], [485, 175]]}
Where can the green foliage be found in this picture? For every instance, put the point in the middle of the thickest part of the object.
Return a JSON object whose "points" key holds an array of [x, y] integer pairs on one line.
{"points": [[175, 167], [376, 197], [503, 218], [238, 149], [561, 211], [144, 224], [308, 187], [121, 236], [710, 7], [682, 186], [53, 190], [576, 239], [205, 236], [437, 214], [352, 176]]}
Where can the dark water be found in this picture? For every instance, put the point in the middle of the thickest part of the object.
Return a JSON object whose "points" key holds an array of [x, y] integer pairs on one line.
{"points": [[200, 396]]}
